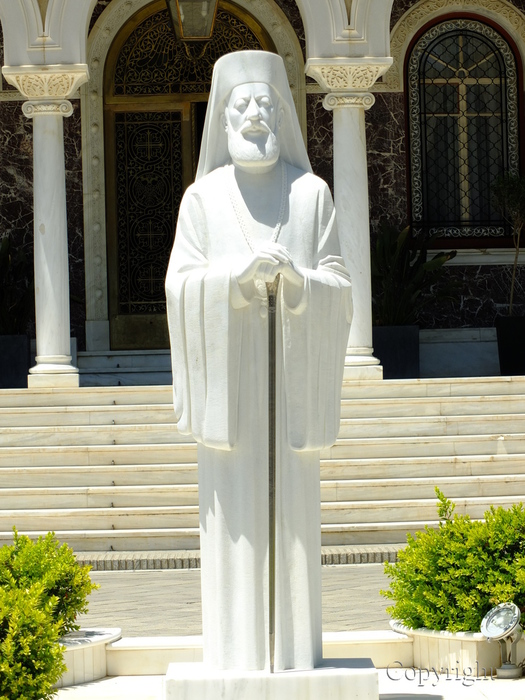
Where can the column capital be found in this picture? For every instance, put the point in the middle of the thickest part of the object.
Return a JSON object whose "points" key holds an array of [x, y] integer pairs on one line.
{"points": [[46, 82], [346, 74], [37, 108], [335, 100]]}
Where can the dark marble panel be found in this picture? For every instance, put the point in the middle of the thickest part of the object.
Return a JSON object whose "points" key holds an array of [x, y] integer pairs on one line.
{"points": [[386, 145], [97, 11], [16, 196], [75, 223], [477, 295], [320, 138], [16, 190]]}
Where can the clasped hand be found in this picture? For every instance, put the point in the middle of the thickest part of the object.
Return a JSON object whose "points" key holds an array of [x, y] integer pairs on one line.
{"points": [[270, 260]]}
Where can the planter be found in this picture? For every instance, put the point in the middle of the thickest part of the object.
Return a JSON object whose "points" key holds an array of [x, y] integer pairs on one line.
{"points": [[14, 368], [85, 655], [466, 653], [511, 343], [397, 348]]}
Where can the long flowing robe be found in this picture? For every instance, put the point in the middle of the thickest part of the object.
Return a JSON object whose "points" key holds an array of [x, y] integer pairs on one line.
{"points": [[219, 342]]}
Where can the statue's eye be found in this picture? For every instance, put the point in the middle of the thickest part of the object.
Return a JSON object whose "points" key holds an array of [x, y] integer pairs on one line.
{"points": [[241, 105], [264, 102]]}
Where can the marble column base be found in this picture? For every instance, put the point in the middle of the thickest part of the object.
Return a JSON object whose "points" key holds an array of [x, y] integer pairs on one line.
{"points": [[360, 363], [337, 679], [56, 371]]}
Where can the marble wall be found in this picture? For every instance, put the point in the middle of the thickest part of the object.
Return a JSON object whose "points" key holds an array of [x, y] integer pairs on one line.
{"points": [[387, 161]]}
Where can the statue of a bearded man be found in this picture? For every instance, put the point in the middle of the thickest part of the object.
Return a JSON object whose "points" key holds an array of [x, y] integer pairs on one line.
{"points": [[254, 212]]}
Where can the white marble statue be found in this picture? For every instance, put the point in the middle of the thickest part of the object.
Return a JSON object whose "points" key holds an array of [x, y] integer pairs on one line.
{"points": [[256, 211]]}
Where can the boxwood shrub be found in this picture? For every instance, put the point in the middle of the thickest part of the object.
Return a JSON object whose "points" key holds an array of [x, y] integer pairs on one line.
{"points": [[42, 590], [449, 577]]}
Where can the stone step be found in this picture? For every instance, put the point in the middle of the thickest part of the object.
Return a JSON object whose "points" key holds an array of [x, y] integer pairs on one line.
{"points": [[95, 471], [100, 518], [61, 436], [126, 377], [432, 406], [84, 455], [182, 494], [161, 539], [412, 467], [420, 510], [87, 396], [138, 540], [154, 517], [461, 487], [392, 390], [371, 533], [131, 414], [102, 475], [100, 496], [439, 388], [431, 426], [424, 446], [153, 360]]}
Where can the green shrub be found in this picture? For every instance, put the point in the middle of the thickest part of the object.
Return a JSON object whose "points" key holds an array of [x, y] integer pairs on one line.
{"points": [[42, 589], [64, 581], [30, 656], [448, 578]]}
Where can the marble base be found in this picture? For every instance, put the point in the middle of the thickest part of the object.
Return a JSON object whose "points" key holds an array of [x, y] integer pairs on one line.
{"points": [[337, 679], [362, 372], [50, 381]]}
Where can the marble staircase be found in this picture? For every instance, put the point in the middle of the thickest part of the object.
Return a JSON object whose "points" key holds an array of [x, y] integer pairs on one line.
{"points": [[105, 468]]}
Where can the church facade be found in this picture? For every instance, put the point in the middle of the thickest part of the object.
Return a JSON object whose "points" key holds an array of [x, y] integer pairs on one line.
{"points": [[410, 111]]}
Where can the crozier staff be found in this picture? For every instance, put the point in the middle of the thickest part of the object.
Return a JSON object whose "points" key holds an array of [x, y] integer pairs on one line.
{"points": [[255, 211]]}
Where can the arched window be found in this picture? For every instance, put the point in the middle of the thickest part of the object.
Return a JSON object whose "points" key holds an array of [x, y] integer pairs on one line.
{"points": [[463, 124]]}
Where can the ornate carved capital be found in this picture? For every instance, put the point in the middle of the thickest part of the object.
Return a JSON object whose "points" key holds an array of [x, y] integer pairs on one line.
{"points": [[44, 82], [64, 108], [335, 100], [342, 75]]}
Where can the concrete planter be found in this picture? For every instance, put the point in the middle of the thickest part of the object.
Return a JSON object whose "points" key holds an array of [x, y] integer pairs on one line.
{"points": [[463, 653], [85, 655]]}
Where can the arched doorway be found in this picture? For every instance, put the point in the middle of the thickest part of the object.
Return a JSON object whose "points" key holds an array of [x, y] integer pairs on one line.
{"points": [[155, 94]]}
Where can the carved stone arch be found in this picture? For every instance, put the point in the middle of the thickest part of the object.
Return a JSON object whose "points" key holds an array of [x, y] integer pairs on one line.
{"points": [[500, 12], [66, 25], [107, 27], [362, 26], [23, 32]]}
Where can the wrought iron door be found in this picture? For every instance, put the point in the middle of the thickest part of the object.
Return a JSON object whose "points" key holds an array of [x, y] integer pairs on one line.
{"points": [[152, 164], [155, 101]]}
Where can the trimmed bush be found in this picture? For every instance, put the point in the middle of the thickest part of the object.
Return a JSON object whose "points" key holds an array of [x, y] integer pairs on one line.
{"points": [[42, 589], [30, 656], [449, 578], [54, 566]]}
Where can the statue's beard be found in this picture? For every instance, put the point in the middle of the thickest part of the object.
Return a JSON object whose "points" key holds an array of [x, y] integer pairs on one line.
{"points": [[250, 149]]}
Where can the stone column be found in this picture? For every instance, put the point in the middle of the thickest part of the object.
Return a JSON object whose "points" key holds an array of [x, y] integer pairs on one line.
{"points": [[346, 82], [351, 202], [47, 107]]}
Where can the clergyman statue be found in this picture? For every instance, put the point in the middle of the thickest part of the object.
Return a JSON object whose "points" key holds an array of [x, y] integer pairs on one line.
{"points": [[256, 213]]}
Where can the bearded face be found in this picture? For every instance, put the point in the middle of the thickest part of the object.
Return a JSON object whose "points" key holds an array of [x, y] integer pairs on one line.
{"points": [[251, 120]]}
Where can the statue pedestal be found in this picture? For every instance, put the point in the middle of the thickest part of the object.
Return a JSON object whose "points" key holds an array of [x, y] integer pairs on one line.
{"points": [[337, 679]]}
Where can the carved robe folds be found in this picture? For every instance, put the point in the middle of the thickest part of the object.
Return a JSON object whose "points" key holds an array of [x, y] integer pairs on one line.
{"points": [[220, 372]]}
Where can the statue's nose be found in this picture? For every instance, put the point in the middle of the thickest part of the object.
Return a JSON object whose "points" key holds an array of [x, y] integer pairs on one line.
{"points": [[253, 113]]}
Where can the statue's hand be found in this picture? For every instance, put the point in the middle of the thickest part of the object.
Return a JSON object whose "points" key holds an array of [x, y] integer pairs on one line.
{"points": [[287, 269], [261, 266]]}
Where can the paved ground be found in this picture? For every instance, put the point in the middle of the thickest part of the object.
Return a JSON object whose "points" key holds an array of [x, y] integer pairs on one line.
{"points": [[167, 601]]}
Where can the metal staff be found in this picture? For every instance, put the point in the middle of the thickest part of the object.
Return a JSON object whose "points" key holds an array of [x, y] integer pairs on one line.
{"points": [[271, 289]]}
